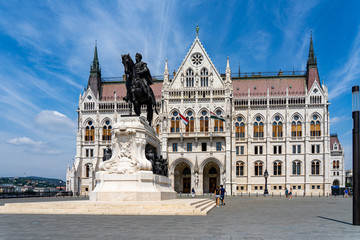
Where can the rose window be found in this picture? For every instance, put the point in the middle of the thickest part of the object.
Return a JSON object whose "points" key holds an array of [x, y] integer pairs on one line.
{"points": [[197, 59]]}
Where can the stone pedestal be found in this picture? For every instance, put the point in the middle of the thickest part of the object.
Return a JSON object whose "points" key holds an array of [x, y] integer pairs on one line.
{"points": [[127, 175]]}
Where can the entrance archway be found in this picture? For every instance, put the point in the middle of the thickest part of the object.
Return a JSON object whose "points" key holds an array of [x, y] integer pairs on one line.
{"points": [[182, 178], [336, 183], [211, 177]]}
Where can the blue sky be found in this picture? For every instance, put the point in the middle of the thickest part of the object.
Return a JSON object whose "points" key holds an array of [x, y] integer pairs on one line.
{"points": [[46, 48]]}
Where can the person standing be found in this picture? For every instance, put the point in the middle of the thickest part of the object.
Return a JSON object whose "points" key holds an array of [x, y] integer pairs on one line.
{"points": [[290, 194], [217, 196], [193, 192], [286, 193], [346, 193], [222, 194]]}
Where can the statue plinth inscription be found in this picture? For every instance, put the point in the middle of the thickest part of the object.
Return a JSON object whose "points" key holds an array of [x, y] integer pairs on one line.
{"points": [[127, 175]]}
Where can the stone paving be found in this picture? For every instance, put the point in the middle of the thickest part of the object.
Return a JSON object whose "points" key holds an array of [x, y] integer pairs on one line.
{"points": [[240, 218]]}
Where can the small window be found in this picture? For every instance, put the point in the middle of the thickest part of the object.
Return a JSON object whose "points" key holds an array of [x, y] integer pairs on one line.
{"points": [[203, 147], [175, 147], [189, 147], [91, 152], [261, 188], [318, 187], [218, 146], [280, 187], [275, 187], [313, 187], [242, 150], [256, 188], [242, 188], [299, 187], [237, 187], [86, 189], [237, 150]]}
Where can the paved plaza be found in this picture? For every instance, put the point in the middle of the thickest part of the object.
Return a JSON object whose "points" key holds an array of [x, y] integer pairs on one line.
{"points": [[240, 218]]}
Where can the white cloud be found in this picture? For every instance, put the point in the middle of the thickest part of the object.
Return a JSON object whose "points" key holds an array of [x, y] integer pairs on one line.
{"points": [[55, 121], [335, 120], [348, 73], [24, 141]]}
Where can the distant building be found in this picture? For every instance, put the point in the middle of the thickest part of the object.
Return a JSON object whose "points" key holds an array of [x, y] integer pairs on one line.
{"points": [[239, 125], [7, 188], [349, 177]]}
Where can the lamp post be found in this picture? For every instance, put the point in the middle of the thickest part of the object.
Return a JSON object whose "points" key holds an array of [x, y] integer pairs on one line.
{"points": [[356, 155], [266, 175]]}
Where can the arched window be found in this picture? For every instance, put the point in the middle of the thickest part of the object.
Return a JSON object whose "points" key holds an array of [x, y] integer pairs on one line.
{"points": [[336, 183], [337, 164], [334, 164], [106, 131], [277, 168], [190, 126], [258, 128], [277, 129], [186, 171], [189, 78], [218, 124], [89, 131], [315, 127], [240, 128], [296, 127], [175, 122], [240, 168], [204, 122], [87, 170], [212, 171], [258, 168], [296, 167], [315, 168], [204, 79]]}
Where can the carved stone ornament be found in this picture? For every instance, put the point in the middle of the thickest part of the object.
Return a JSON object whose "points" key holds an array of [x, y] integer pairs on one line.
{"points": [[128, 144]]}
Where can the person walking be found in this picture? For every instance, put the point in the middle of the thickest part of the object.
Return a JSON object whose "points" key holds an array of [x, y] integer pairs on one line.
{"points": [[286, 193], [222, 194], [193, 192], [346, 193], [290, 194], [217, 196]]}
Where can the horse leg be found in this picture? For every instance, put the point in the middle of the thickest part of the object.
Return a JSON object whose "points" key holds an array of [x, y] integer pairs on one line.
{"points": [[149, 113]]}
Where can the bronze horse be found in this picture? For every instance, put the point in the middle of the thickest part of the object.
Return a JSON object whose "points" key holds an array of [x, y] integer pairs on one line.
{"points": [[137, 92]]}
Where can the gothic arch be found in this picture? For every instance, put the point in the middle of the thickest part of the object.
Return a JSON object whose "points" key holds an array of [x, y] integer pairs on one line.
{"points": [[180, 160]]}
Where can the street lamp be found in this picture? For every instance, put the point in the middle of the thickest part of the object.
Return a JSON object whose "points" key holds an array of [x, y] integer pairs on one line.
{"points": [[266, 175], [356, 155]]}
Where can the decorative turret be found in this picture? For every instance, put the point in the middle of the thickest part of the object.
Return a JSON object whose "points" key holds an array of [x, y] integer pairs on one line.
{"points": [[312, 74], [166, 73], [94, 82], [228, 72]]}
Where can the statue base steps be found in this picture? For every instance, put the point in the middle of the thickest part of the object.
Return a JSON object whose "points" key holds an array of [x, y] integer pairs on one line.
{"points": [[167, 207], [138, 186]]}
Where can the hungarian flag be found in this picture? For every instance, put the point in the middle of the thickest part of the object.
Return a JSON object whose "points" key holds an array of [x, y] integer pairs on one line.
{"points": [[213, 115], [185, 121]]}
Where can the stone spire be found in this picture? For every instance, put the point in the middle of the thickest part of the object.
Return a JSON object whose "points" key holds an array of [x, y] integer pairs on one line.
{"points": [[197, 31], [95, 67], [94, 82], [312, 73], [312, 58]]}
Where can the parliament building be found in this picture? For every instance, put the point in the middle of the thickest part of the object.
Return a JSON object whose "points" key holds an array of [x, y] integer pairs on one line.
{"points": [[239, 126]]}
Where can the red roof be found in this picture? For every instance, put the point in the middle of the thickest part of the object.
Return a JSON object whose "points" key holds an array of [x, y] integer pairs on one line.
{"points": [[334, 139], [108, 89], [276, 86]]}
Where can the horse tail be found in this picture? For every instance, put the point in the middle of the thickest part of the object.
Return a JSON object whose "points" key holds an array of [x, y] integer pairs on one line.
{"points": [[155, 108]]}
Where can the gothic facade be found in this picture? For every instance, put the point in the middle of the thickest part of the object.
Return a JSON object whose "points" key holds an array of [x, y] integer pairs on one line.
{"points": [[238, 127]]}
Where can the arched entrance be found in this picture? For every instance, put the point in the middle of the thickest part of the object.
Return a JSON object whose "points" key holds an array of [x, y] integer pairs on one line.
{"points": [[182, 178], [211, 178], [336, 183]]}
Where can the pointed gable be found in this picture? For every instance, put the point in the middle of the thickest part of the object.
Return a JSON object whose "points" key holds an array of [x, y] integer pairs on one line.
{"points": [[197, 60]]}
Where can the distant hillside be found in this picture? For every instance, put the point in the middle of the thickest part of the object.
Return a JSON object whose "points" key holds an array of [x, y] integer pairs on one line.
{"points": [[32, 181]]}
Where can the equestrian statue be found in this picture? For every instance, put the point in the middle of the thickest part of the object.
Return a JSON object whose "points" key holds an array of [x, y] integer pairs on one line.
{"points": [[138, 81]]}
